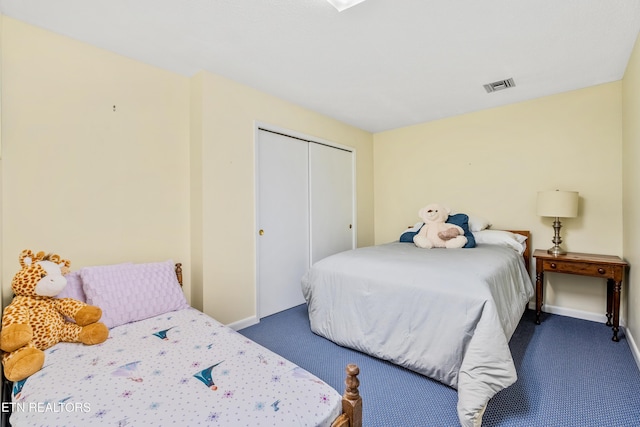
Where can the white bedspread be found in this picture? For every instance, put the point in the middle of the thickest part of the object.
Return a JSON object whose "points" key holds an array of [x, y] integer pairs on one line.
{"points": [[445, 313], [181, 368]]}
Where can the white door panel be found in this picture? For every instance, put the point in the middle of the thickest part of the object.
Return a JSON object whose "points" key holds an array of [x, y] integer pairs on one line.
{"points": [[283, 217], [331, 200]]}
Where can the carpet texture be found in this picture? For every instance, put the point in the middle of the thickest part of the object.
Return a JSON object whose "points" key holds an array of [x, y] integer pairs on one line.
{"points": [[570, 374]]}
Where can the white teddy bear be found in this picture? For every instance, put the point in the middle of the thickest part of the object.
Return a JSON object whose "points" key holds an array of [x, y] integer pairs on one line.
{"points": [[436, 233]]}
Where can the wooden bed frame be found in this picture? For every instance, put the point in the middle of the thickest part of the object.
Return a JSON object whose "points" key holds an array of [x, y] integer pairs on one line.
{"points": [[351, 400]]}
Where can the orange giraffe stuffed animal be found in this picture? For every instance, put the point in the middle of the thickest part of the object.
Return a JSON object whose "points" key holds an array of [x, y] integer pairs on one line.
{"points": [[35, 320]]}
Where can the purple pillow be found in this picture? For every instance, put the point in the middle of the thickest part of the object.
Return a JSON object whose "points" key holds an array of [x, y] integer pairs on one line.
{"points": [[74, 287], [127, 293]]}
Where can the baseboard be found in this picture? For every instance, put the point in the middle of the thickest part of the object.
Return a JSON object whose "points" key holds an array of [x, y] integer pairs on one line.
{"points": [[578, 314], [244, 323], [633, 346]]}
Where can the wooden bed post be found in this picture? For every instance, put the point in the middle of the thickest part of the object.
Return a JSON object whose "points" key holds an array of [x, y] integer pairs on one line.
{"points": [[179, 272], [351, 400]]}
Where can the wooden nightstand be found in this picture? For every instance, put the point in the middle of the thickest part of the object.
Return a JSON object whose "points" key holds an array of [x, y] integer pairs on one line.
{"points": [[608, 267]]}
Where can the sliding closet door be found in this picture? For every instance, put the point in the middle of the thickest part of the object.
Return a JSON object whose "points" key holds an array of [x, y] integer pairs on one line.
{"points": [[283, 221], [331, 200]]}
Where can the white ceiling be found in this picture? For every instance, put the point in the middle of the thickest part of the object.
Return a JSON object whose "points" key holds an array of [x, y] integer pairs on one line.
{"points": [[380, 65]]}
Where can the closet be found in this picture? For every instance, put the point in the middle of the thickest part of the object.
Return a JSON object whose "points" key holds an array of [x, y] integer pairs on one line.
{"points": [[305, 211]]}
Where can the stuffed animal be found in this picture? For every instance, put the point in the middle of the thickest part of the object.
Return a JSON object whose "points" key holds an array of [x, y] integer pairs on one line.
{"points": [[35, 320], [436, 233]]}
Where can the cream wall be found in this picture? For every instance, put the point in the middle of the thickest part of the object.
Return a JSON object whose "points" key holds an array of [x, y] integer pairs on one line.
{"points": [[229, 112], [631, 188], [168, 174], [1, 174], [78, 178], [195, 179], [492, 163]]}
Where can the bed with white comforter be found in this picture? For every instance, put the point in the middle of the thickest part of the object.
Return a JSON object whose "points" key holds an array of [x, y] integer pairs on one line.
{"points": [[445, 313]]}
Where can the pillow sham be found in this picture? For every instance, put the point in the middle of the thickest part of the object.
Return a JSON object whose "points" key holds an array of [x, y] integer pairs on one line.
{"points": [[74, 287], [501, 237], [477, 223], [127, 293]]}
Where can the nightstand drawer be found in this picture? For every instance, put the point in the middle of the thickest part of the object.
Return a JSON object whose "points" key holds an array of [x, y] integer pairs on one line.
{"points": [[581, 268]]}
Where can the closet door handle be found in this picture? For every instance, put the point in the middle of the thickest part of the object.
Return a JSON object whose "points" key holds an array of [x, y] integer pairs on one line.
{"points": [[261, 232]]}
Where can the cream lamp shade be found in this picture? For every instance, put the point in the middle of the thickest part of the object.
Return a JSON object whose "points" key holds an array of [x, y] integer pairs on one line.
{"points": [[557, 204], [344, 4]]}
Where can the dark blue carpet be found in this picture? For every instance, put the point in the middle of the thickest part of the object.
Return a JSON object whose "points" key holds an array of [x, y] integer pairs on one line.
{"points": [[570, 374]]}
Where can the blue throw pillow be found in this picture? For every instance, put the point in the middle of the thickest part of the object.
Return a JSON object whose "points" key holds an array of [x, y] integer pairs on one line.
{"points": [[407, 236], [462, 220]]}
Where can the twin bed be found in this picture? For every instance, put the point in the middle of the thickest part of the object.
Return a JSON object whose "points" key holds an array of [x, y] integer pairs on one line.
{"points": [[445, 313], [165, 363]]}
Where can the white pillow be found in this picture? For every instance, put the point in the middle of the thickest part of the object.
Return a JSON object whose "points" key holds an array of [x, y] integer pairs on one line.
{"points": [[477, 223], [501, 237], [415, 228]]}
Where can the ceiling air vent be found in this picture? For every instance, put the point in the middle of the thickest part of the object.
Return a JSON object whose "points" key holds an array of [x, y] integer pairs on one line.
{"points": [[499, 85]]}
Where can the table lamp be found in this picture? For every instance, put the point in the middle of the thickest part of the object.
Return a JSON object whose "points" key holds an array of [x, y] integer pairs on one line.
{"points": [[557, 204]]}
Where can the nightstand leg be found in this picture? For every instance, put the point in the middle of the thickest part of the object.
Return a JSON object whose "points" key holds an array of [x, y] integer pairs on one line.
{"points": [[616, 310], [610, 284], [539, 278]]}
